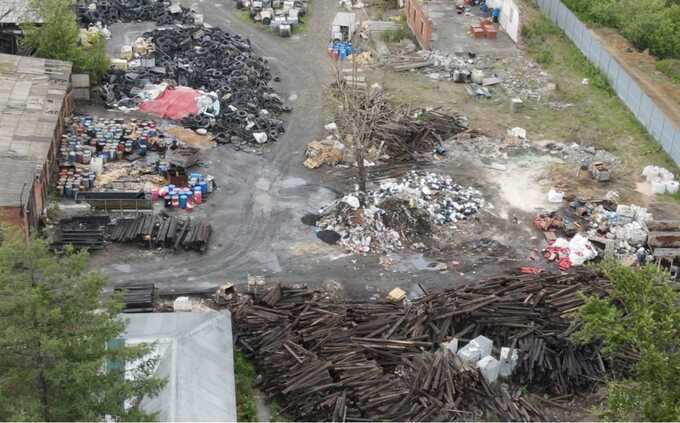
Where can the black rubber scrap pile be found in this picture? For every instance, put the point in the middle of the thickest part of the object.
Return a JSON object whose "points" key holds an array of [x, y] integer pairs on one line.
{"points": [[108, 12], [354, 361], [209, 59], [156, 231]]}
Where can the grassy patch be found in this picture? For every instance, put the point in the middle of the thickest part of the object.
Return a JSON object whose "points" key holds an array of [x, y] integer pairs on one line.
{"points": [[670, 67], [598, 117], [245, 376], [396, 35]]}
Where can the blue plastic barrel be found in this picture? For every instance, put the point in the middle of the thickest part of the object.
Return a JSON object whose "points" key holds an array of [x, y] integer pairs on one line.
{"points": [[204, 187], [182, 201]]}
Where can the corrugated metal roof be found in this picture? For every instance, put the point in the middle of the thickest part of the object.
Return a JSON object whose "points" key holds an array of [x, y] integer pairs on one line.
{"points": [[32, 92], [17, 11], [196, 356]]}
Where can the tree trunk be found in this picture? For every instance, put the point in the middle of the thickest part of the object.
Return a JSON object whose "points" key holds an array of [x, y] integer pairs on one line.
{"points": [[359, 154]]}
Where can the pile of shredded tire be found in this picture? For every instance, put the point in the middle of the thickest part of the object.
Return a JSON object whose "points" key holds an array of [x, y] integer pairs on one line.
{"points": [[211, 60], [398, 214]]}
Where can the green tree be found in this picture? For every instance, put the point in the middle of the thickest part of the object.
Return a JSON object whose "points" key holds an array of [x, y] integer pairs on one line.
{"points": [[58, 37], [642, 313], [56, 337]]}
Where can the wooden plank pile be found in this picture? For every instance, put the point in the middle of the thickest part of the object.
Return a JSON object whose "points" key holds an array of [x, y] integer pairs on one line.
{"points": [[399, 131], [163, 231], [85, 232], [358, 361], [138, 298]]}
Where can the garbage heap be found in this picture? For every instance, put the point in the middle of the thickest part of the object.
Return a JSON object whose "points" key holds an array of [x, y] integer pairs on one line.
{"points": [[332, 360], [107, 12], [211, 60], [589, 229], [399, 213]]}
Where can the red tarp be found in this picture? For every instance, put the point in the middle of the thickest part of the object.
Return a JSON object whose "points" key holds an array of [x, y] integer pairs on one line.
{"points": [[174, 103]]}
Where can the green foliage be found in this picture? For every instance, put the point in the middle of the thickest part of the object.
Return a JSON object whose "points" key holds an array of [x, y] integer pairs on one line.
{"points": [[670, 67], [245, 377], [93, 59], [396, 35], [58, 37], [53, 341], [648, 24], [641, 313]]}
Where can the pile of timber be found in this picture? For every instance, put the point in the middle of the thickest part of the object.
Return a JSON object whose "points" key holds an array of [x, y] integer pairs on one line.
{"points": [[354, 361], [399, 131], [86, 232], [158, 231], [138, 298]]}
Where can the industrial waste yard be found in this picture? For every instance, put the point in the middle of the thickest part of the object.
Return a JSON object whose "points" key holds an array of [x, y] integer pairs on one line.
{"points": [[401, 223]]}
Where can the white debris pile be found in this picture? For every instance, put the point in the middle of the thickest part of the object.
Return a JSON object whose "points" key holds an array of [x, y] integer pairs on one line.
{"points": [[661, 180], [477, 353], [400, 212], [626, 228]]}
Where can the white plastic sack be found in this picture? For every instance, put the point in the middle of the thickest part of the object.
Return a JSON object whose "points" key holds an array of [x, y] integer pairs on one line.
{"points": [[672, 187], [658, 186], [352, 201], [555, 196], [260, 137], [581, 250]]}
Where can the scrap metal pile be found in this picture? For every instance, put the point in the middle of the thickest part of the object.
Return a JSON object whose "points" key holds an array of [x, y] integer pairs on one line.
{"points": [[156, 231], [215, 61], [355, 361], [399, 213]]}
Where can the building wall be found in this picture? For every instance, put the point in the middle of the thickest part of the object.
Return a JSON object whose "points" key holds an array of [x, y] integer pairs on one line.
{"points": [[419, 23], [12, 216], [509, 18], [35, 200]]}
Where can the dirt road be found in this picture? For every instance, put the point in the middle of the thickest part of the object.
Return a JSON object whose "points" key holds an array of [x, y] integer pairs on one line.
{"points": [[257, 209]]}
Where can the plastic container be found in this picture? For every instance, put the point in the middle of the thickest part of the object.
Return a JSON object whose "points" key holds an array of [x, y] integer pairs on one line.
{"points": [[182, 201], [198, 195], [154, 194], [672, 187], [204, 187]]}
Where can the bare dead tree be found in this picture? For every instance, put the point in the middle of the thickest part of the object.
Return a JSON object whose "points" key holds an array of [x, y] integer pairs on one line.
{"points": [[360, 113]]}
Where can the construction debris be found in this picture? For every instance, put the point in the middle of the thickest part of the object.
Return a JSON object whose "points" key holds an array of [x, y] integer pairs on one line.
{"points": [[399, 213], [354, 361]]}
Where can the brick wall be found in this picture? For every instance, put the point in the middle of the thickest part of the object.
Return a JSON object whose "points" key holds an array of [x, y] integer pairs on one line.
{"points": [[13, 216], [419, 23]]}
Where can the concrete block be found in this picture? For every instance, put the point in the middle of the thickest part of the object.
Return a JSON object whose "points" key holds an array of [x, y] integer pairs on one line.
{"points": [[485, 345], [508, 361], [489, 367], [476, 349], [182, 304], [452, 345]]}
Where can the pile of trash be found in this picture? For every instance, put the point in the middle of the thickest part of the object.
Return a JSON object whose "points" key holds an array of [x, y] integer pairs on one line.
{"points": [[107, 12], [282, 16], [587, 230], [399, 213], [243, 106], [661, 180]]}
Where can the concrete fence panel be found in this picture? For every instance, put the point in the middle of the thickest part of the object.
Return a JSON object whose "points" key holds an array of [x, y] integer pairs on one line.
{"points": [[659, 126]]}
